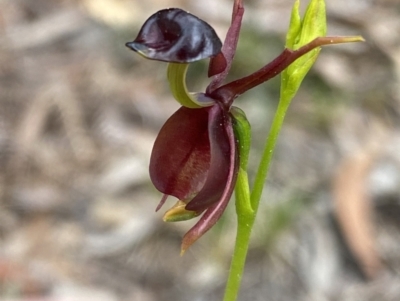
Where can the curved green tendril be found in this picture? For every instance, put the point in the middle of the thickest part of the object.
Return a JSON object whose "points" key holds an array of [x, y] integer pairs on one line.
{"points": [[176, 74]]}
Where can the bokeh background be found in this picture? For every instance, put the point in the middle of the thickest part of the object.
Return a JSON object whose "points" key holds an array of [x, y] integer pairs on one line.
{"points": [[79, 113]]}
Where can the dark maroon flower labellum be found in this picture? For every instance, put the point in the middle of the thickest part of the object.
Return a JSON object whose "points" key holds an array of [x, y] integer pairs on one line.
{"points": [[173, 35], [220, 163], [195, 159], [191, 156], [180, 159]]}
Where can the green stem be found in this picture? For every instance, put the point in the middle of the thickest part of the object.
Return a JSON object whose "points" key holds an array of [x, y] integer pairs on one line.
{"points": [[245, 224], [268, 152], [246, 218]]}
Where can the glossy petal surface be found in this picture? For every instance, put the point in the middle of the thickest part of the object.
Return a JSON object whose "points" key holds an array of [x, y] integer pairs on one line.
{"points": [[180, 159], [173, 35], [214, 212], [220, 163]]}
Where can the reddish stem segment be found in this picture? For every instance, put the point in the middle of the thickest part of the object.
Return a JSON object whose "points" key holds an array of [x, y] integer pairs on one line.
{"points": [[228, 49], [227, 93]]}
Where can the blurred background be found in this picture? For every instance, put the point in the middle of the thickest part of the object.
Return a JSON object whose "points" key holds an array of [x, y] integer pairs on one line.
{"points": [[79, 113]]}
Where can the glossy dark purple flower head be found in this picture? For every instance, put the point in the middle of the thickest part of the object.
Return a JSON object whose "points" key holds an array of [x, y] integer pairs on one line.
{"points": [[173, 35]]}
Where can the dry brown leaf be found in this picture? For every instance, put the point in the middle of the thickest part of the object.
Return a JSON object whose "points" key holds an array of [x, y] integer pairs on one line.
{"points": [[354, 209]]}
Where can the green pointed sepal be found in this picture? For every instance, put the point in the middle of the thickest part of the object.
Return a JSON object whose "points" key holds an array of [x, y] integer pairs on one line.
{"points": [[178, 213]]}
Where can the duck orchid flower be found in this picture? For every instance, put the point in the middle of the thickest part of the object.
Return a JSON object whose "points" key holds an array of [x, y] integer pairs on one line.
{"points": [[198, 151], [195, 155]]}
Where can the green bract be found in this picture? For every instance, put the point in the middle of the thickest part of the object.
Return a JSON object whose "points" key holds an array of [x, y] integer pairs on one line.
{"points": [[292, 35], [242, 129], [299, 34]]}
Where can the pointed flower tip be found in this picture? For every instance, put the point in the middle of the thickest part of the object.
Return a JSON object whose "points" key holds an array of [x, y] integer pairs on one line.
{"points": [[187, 241], [135, 46], [164, 198], [352, 39], [339, 40]]}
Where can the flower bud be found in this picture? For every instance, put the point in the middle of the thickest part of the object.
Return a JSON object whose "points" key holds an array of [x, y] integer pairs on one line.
{"points": [[299, 34]]}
